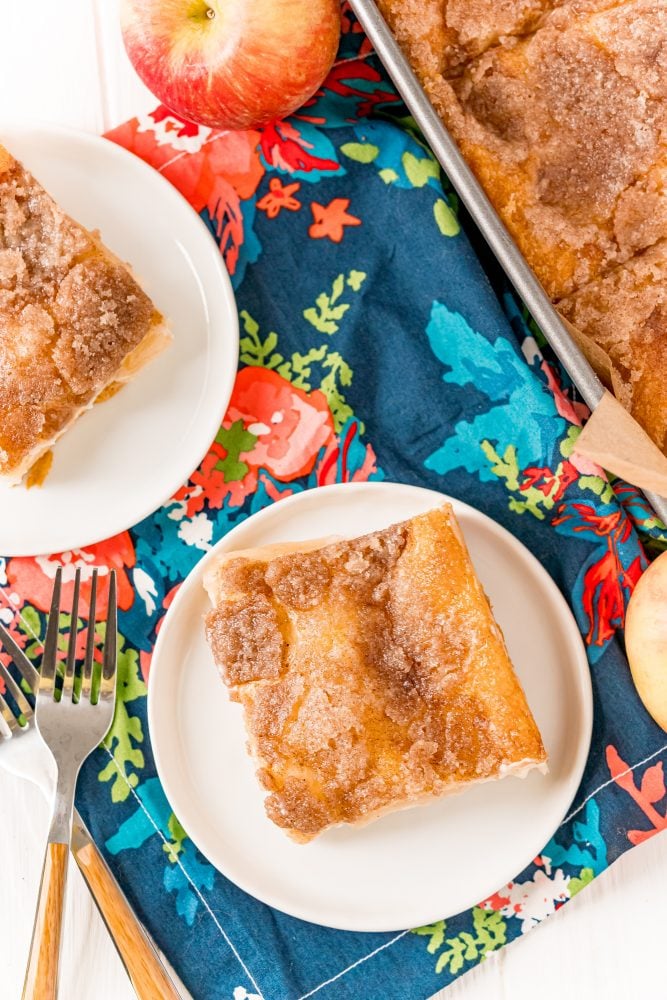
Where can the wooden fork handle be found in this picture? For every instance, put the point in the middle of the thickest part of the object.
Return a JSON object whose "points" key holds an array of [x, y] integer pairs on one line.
{"points": [[146, 972], [41, 979]]}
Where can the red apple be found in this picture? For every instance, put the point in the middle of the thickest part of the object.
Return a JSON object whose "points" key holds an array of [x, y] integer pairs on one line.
{"points": [[231, 63]]}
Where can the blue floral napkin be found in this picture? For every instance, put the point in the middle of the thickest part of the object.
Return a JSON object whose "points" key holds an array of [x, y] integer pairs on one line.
{"points": [[390, 349]]}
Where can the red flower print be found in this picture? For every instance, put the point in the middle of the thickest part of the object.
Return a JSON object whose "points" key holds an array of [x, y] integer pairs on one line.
{"points": [[279, 197], [551, 484], [286, 429], [331, 219], [355, 77], [291, 425], [215, 175], [33, 577], [604, 603], [647, 795], [284, 147], [574, 413], [350, 26], [333, 466], [609, 580]]}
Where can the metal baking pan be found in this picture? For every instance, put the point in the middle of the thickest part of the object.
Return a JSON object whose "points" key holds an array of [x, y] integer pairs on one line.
{"points": [[483, 213]]}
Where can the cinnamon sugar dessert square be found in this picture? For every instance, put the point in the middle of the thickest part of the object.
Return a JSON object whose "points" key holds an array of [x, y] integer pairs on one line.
{"points": [[73, 321], [372, 673]]}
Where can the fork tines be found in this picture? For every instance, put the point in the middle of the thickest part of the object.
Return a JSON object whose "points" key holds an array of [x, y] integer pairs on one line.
{"points": [[15, 709], [47, 681]]}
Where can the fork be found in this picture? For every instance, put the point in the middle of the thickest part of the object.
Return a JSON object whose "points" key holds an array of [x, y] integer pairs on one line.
{"points": [[145, 968], [71, 731]]}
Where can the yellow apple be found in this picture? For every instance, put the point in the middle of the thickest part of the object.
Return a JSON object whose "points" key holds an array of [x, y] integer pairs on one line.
{"points": [[646, 639]]}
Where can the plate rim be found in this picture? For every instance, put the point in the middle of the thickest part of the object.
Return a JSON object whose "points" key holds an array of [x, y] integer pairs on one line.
{"points": [[227, 345], [583, 676]]}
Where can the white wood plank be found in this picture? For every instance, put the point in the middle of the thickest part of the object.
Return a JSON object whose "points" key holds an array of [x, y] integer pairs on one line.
{"points": [[90, 968], [124, 94], [48, 63], [607, 942]]}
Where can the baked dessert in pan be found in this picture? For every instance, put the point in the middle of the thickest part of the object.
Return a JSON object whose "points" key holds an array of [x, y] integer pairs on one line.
{"points": [[74, 323], [439, 36], [372, 674], [561, 111], [625, 313]]}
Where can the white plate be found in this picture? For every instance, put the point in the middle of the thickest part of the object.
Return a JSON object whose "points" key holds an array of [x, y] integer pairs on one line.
{"points": [[125, 457], [412, 867]]}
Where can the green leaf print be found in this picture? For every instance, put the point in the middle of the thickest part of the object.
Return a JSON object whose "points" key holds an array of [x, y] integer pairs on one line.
{"points": [[577, 883], [325, 314], [235, 440], [254, 350], [340, 374], [488, 933], [600, 487], [530, 499], [447, 222], [327, 311], [419, 171], [355, 279], [302, 366], [126, 730], [174, 847], [532, 504], [361, 152], [388, 175], [29, 624], [505, 467], [435, 934]]}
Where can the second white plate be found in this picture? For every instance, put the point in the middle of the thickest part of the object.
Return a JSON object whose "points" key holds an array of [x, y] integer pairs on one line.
{"points": [[125, 457], [412, 867]]}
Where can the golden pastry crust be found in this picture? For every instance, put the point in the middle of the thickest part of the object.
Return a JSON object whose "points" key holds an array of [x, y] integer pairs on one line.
{"points": [[440, 36], [70, 314], [372, 673], [626, 314], [566, 131]]}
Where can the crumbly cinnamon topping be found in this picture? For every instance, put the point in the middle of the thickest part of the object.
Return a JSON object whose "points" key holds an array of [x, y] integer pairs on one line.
{"points": [[99, 310], [441, 35], [626, 314], [371, 673], [564, 134], [245, 639], [69, 314]]}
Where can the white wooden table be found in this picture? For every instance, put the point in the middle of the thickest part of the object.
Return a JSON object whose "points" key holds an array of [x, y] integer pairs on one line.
{"points": [[63, 63]]}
